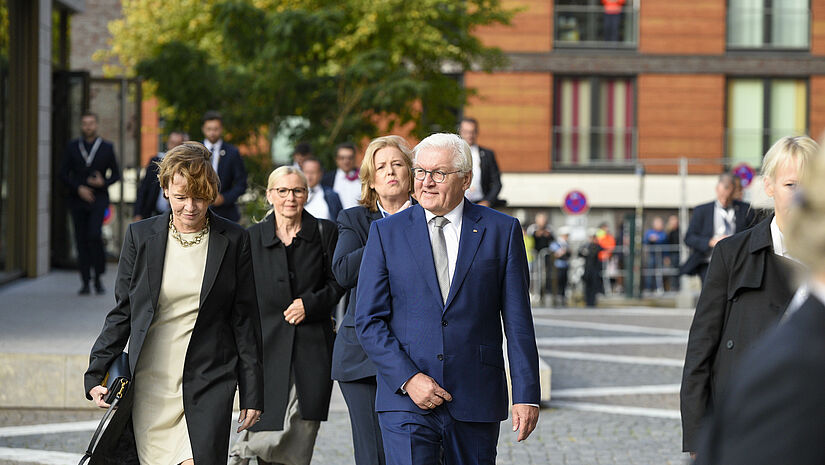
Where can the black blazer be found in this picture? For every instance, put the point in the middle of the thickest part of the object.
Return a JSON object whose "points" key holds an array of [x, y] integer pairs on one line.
{"points": [[349, 361], [700, 231], [774, 413], [303, 351], [746, 291], [225, 347], [490, 176], [74, 172], [148, 190], [232, 174]]}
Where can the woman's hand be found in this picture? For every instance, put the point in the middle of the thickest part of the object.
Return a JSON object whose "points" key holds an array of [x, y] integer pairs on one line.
{"points": [[248, 416], [97, 394], [295, 313]]}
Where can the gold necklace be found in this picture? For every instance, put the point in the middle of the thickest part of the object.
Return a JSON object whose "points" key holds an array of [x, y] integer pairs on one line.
{"points": [[183, 242]]}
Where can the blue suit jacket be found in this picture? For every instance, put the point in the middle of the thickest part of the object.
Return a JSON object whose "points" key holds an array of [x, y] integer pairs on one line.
{"points": [[232, 173], [405, 328], [349, 361], [333, 203]]}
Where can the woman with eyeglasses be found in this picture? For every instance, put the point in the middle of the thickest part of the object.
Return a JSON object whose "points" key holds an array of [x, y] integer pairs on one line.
{"points": [[297, 293]]}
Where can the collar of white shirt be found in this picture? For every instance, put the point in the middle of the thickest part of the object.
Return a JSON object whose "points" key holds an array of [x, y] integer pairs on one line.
{"points": [[778, 239], [211, 146], [454, 216], [385, 213]]}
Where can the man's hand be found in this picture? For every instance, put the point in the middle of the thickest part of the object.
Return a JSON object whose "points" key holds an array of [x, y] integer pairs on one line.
{"points": [[218, 200], [248, 417], [97, 394], [425, 392], [86, 193], [714, 240], [295, 313], [136, 218], [96, 180], [525, 418]]}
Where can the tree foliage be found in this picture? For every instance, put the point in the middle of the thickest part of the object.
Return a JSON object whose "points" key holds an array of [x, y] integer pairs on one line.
{"points": [[344, 65]]}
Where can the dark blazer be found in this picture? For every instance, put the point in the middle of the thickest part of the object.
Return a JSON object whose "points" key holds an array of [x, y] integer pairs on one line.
{"points": [[700, 231], [349, 361], [74, 172], [333, 202], [328, 180], [225, 347], [232, 173], [148, 190], [773, 414], [746, 291], [490, 175], [406, 328], [303, 351]]}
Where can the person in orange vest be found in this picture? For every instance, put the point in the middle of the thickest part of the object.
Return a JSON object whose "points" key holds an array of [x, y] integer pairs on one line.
{"points": [[612, 19], [606, 241]]}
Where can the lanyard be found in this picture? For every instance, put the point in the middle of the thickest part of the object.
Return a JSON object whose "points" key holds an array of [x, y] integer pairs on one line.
{"points": [[89, 157]]}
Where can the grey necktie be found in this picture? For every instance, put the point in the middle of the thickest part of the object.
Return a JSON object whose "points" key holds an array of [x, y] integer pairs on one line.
{"points": [[442, 268]]}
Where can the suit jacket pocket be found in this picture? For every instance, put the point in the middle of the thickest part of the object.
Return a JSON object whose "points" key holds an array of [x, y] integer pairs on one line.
{"points": [[491, 355]]}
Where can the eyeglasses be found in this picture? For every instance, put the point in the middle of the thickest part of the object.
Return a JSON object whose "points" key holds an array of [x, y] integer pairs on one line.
{"points": [[438, 176], [298, 192]]}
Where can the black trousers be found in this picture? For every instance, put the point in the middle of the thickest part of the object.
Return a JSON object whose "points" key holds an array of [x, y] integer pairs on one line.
{"points": [[88, 224], [366, 433]]}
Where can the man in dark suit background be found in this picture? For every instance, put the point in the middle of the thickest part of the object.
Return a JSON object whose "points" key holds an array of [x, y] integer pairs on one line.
{"points": [[713, 221], [89, 168], [442, 276], [486, 183], [150, 200], [344, 179], [322, 202], [226, 159]]}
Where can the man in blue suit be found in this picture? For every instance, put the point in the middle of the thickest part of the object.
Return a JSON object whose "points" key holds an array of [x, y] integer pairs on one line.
{"points": [[442, 276], [226, 159]]}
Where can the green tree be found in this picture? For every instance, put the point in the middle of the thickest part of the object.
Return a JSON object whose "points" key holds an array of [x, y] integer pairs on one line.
{"points": [[343, 65]]}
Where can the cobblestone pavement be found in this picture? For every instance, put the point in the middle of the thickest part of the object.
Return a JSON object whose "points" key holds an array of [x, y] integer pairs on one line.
{"points": [[615, 399]]}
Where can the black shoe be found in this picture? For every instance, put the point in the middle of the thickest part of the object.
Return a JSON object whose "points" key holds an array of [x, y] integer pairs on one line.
{"points": [[99, 288], [84, 290]]}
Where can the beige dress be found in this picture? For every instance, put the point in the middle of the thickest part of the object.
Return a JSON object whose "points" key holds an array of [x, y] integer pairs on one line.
{"points": [[161, 434]]}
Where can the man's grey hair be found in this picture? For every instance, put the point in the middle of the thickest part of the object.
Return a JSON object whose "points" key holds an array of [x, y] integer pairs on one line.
{"points": [[452, 144]]}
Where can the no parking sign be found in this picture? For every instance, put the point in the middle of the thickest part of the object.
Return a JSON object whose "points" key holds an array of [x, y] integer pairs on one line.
{"points": [[575, 203], [744, 172]]}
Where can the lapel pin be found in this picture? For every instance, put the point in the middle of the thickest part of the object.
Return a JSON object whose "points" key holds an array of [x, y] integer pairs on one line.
{"points": [[223, 152]]}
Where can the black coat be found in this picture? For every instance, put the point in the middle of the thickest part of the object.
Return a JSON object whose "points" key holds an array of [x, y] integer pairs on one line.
{"points": [[74, 172], [148, 190], [700, 231], [225, 346], [746, 291], [774, 413], [490, 176], [303, 350], [349, 361], [232, 174]]}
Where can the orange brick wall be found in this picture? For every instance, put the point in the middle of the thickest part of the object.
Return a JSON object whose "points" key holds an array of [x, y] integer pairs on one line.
{"points": [[531, 30], [149, 130], [680, 27], [818, 27], [817, 107], [514, 116], [681, 115]]}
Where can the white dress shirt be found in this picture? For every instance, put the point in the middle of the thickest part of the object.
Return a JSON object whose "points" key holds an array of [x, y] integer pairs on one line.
{"points": [[452, 233], [722, 215], [316, 203], [475, 193], [216, 152], [348, 191]]}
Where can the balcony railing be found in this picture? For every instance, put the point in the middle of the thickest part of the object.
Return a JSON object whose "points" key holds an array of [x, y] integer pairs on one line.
{"points": [[588, 26]]}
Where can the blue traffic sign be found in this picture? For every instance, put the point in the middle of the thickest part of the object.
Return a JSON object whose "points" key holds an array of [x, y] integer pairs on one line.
{"points": [[575, 203], [744, 172]]}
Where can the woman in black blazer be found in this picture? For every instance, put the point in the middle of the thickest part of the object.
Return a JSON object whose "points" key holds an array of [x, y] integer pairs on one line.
{"points": [[747, 289], [386, 188], [297, 293], [186, 304]]}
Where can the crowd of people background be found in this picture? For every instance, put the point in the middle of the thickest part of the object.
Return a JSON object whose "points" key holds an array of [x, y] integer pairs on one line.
{"points": [[265, 299]]}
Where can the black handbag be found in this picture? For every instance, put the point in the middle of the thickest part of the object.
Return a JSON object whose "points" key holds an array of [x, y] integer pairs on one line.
{"points": [[117, 381]]}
